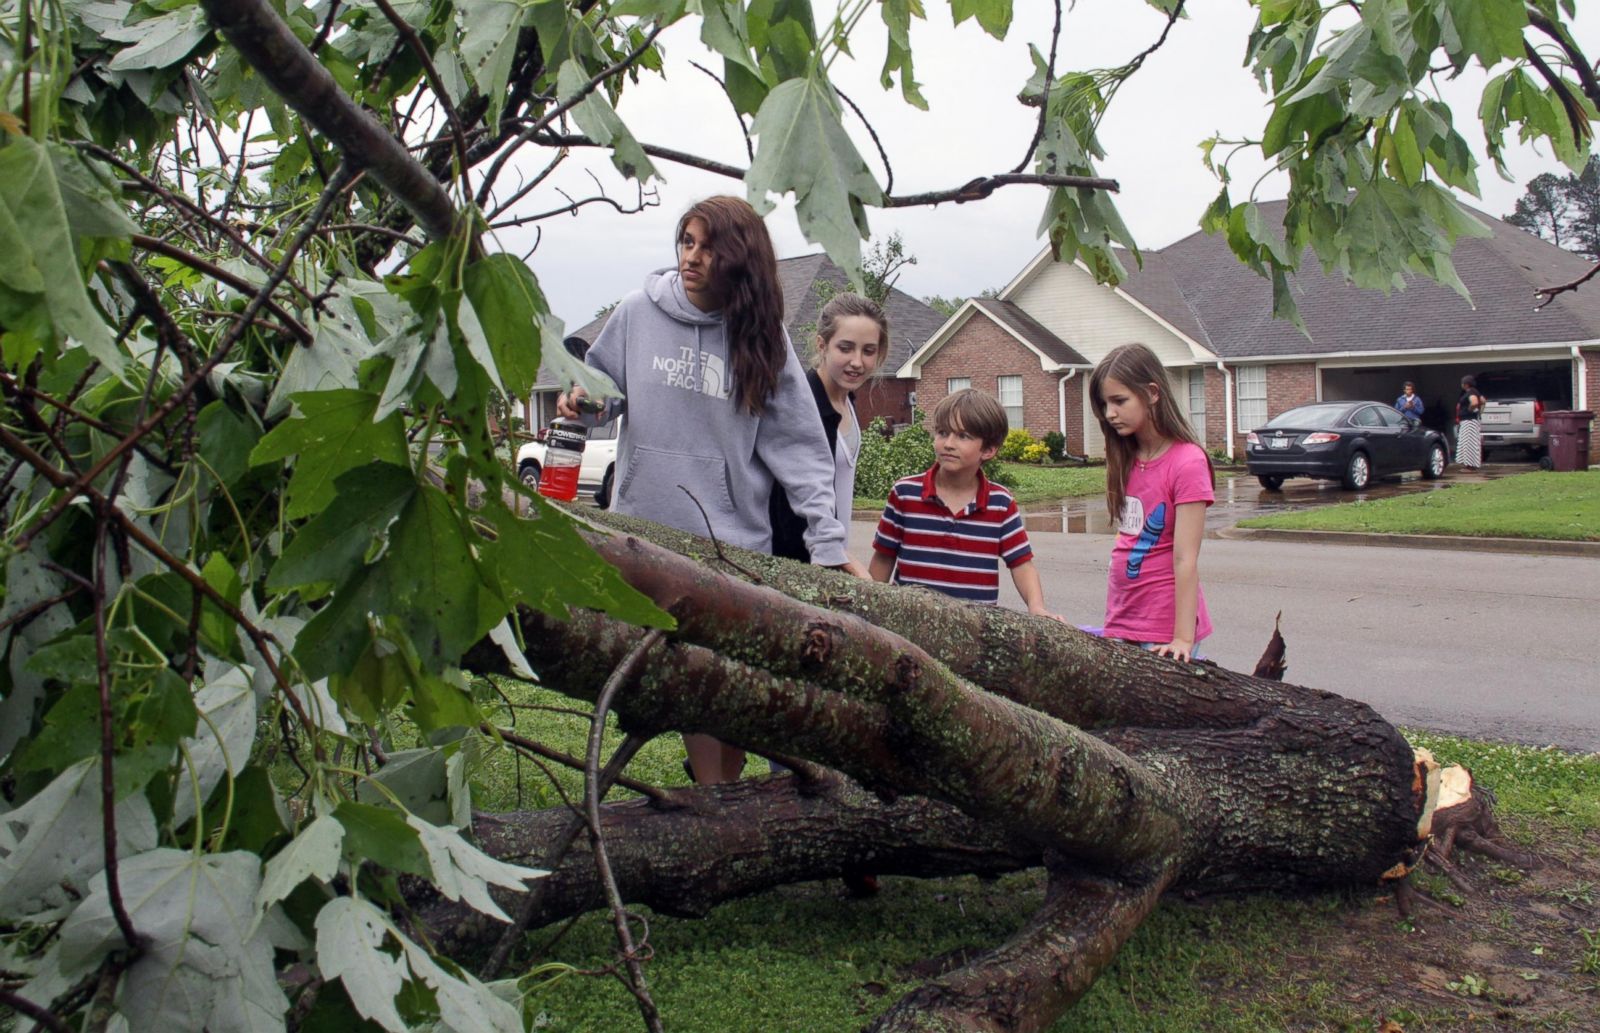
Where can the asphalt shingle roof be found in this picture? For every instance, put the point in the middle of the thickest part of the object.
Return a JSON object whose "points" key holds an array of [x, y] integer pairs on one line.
{"points": [[911, 322], [1031, 330], [1230, 307]]}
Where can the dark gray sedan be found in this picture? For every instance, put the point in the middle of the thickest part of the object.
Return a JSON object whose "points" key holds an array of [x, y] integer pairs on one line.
{"points": [[1350, 442]]}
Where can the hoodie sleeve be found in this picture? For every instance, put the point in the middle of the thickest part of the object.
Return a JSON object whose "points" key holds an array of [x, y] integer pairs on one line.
{"points": [[791, 442], [609, 355]]}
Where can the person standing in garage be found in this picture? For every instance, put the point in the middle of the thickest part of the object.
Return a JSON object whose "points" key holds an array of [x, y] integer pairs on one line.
{"points": [[1410, 404], [1469, 437]]}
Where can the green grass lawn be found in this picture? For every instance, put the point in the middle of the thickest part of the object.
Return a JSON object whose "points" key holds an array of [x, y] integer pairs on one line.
{"points": [[1039, 483], [1563, 506], [808, 959]]}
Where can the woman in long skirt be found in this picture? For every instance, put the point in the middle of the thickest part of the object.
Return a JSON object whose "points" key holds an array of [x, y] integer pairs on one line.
{"points": [[1469, 439]]}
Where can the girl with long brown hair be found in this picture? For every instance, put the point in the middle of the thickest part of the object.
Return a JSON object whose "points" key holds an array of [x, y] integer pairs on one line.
{"points": [[852, 342], [1158, 485], [717, 406]]}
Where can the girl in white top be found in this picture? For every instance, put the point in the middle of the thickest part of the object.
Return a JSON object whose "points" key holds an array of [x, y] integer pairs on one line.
{"points": [[852, 341]]}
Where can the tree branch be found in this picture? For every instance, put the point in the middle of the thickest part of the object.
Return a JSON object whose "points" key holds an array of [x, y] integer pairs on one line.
{"points": [[271, 47], [973, 190], [560, 109], [1549, 293], [221, 275], [1044, 101], [1575, 57], [409, 34]]}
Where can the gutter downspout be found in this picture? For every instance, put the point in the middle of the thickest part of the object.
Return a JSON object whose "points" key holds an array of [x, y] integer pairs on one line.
{"points": [[1581, 399], [1061, 400], [1227, 404], [1061, 410]]}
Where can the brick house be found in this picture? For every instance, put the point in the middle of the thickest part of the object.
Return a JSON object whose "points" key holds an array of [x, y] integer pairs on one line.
{"points": [[1209, 317], [807, 282]]}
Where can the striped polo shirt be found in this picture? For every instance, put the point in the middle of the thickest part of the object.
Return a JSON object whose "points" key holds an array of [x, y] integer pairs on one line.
{"points": [[953, 553]]}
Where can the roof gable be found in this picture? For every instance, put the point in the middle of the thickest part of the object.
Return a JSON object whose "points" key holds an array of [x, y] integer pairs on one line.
{"points": [[1053, 353]]}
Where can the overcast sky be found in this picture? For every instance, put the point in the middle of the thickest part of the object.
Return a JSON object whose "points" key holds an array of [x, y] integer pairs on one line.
{"points": [[1194, 86]]}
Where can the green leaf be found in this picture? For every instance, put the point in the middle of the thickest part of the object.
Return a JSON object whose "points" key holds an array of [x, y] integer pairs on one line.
{"points": [[90, 195], [206, 964], [804, 149], [350, 949], [508, 303], [216, 627], [352, 941], [421, 353], [17, 268], [389, 671], [427, 578], [1264, 233], [544, 563], [568, 370], [343, 339], [463, 872], [226, 439], [52, 846], [489, 45], [897, 15], [334, 543], [1486, 29], [29, 193], [599, 121], [723, 29], [221, 745], [334, 433], [417, 778], [993, 15], [313, 854], [381, 835], [163, 40], [168, 714]]}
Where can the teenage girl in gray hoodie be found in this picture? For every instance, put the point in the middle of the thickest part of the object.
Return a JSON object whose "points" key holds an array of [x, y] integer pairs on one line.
{"points": [[718, 404]]}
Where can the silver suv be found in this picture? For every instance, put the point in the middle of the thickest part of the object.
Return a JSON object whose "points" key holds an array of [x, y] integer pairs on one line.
{"points": [[598, 472], [1514, 406]]}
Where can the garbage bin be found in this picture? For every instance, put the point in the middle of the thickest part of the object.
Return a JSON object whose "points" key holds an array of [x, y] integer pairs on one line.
{"points": [[1567, 435]]}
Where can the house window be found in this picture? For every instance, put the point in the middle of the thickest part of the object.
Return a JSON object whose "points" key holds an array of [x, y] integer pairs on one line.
{"points": [[1197, 402], [1251, 385], [955, 384], [1010, 391]]}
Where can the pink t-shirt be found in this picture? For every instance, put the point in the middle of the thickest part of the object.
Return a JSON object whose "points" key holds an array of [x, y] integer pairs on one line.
{"points": [[1140, 586]]}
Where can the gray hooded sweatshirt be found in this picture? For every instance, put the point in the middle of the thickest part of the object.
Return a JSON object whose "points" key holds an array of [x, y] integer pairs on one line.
{"points": [[684, 428]]}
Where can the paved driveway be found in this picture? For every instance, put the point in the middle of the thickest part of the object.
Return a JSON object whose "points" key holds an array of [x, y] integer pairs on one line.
{"points": [[1492, 646]]}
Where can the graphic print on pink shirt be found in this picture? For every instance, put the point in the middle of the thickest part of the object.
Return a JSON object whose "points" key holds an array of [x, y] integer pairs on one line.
{"points": [[1140, 605]]}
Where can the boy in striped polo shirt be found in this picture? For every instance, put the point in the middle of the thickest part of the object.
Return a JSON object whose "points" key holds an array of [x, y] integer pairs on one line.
{"points": [[948, 528]]}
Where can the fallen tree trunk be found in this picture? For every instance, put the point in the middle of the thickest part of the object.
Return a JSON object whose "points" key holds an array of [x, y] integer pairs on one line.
{"points": [[1123, 773]]}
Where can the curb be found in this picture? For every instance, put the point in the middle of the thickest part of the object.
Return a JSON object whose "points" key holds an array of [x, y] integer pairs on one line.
{"points": [[1467, 543]]}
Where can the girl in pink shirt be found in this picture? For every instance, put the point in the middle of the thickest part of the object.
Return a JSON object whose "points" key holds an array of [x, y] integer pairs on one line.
{"points": [[1158, 485]]}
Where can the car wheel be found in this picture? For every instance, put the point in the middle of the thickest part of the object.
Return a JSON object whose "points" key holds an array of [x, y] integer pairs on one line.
{"points": [[602, 498], [1358, 472], [1271, 481], [529, 472], [1436, 463]]}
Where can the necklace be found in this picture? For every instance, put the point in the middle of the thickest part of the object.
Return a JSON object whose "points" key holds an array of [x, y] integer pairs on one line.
{"points": [[1145, 461]]}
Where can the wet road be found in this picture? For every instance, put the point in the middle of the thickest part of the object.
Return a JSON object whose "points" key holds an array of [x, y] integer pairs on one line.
{"points": [[1240, 496]]}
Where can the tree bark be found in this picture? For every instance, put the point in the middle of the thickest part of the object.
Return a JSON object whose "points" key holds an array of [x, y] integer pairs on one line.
{"points": [[1027, 740]]}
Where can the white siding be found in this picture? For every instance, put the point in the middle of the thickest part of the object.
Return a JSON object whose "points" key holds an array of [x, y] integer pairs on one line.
{"points": [[1093, 319]]}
